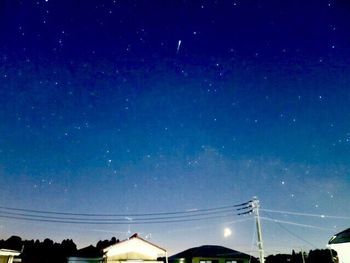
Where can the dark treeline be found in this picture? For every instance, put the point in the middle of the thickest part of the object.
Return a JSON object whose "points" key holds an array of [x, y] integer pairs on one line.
{"points": [[314, 256], [47, 251]]}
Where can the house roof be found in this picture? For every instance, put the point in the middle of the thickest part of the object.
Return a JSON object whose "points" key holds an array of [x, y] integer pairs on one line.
{"points": [[9, 252], [342, 237], [135, 245], [210, 251], [88, 252], [133, 237]]}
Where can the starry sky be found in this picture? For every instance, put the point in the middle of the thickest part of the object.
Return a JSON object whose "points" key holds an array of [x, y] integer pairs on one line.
{"points": [[125, 107]]}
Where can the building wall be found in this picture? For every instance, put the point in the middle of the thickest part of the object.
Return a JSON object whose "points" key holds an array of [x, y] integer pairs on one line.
{"points": [[343, 250], [4, 259], [219, 260], [115, 260], [135, 249], [83, 260], [133, 256]]}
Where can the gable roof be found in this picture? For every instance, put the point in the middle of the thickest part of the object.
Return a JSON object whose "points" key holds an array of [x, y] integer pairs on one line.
{"points": [[88, 252], [342, 237], [123, 245], [9, 252], [210, 251]]}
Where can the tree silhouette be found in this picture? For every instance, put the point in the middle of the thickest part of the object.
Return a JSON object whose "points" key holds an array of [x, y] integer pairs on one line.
{"points": [[48, 251], [106, 243]]}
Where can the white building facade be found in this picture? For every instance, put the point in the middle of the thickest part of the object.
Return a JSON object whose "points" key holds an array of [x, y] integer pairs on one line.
{"points": [[134, 250], [341, 244], [7, 256]]}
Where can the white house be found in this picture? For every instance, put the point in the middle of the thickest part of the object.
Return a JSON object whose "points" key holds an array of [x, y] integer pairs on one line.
{"points": [[341, 244], [134, 250], [7, 255]]}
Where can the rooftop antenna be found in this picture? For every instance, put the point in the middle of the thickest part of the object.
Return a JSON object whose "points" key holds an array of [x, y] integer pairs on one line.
{"points": [[129, 227]]}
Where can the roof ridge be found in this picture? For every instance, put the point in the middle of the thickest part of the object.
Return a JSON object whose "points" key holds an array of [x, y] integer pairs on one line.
{"points": [[134, 236], [212, 250]]}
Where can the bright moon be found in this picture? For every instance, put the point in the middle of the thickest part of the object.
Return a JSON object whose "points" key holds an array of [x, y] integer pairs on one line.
{"points": [[227, 232]]}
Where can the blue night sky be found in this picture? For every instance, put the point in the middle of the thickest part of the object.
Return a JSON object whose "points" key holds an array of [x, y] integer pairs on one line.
{"points": [[134, 107]]}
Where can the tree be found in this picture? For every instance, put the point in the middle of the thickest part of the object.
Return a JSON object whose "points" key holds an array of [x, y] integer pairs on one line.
{"points": [[320, 256], [14, 242], [279, 258]]}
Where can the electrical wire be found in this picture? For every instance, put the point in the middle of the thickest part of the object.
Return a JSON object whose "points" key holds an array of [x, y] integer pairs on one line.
{"points": [[226, 211], [305, 214], [117, 219], [116, 215], [244, 204], [295, 224], [112, 222], [238, 221], [278, 222], [197, 228]]}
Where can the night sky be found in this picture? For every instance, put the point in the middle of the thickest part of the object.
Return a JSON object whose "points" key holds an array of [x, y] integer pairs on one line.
{"points": [[134, 107]]}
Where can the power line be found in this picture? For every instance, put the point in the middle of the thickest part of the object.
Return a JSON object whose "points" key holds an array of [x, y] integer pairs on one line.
{"points": [[126, 218], [97, 222], [238, 221], [247, 204], [197, 228], [290, 232], [295, 224], [117, 215], [117, 219], [305, 214]]}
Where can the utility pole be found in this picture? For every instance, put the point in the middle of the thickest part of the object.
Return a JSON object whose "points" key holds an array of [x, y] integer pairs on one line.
{"points": [[255, 205]]}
